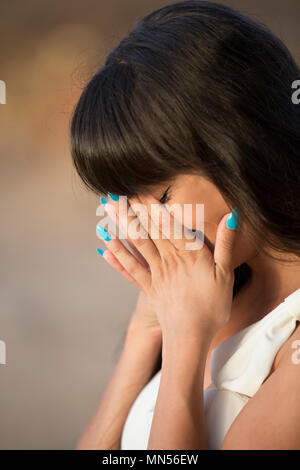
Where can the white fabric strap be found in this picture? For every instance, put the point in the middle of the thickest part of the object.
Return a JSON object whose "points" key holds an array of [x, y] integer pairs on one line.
{"points": [[249, 354]]}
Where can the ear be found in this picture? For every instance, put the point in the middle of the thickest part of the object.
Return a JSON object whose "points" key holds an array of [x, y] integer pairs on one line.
{"points": [[225, 241]]}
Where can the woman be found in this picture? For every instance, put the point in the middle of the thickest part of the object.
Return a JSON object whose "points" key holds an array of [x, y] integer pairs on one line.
{"points": [[194, 107]]}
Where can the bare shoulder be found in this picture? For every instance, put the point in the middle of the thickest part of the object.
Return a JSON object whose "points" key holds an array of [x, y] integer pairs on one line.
{"points": [[271, 418]]}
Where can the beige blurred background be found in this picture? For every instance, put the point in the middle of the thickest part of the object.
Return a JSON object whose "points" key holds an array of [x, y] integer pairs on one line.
{"points": [[63, 310]]}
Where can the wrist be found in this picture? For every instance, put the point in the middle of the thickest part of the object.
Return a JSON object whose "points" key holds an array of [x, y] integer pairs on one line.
{"points": [[186, 333], [185, 347], [139, 355], [138, 330], [142, 337]]}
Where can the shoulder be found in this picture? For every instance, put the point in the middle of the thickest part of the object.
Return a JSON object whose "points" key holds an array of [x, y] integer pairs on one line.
{"points": [[271, 418]]}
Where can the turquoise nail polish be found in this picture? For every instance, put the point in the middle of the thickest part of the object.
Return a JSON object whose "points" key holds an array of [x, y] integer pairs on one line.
{"points": [[114, 197], [103, 200], [103, 233], [232, 220], [100, 251]]}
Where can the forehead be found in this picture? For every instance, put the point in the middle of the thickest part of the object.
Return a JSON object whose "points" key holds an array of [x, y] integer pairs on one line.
{"points": [[159, 188], [176, 182], [183, 184]]}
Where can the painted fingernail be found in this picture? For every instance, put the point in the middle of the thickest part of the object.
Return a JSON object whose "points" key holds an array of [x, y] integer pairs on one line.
{"points": [[233, 220], [103, 233], [103, 200], [114, 197], [100, 251]]}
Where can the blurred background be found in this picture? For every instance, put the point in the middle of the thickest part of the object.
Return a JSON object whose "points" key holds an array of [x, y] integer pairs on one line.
{"points": [[60, 317]]}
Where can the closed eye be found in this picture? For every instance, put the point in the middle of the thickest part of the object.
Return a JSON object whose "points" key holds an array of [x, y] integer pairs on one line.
{"points": [[165, 197]]}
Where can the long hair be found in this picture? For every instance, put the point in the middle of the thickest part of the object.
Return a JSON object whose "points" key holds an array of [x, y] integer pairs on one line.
{"points": [[198, 87]]}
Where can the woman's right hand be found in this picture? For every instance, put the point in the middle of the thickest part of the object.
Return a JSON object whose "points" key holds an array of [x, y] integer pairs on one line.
{"points": [[143, 319]]}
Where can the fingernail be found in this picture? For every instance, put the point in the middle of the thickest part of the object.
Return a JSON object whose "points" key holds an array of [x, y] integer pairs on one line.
{"points": [[103, 200], [111, 210], [100, 251], [114, 197], [232, 220], [103, 233]]}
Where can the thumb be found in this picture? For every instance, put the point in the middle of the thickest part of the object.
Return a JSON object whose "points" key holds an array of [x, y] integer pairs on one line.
{"points": [[225, 240]]}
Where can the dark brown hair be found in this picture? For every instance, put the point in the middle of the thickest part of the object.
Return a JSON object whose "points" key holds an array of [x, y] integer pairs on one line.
{"points": [[198, 87]]}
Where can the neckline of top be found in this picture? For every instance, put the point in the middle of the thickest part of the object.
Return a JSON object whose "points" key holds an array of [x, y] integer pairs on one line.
{"points": [[242, 334]]}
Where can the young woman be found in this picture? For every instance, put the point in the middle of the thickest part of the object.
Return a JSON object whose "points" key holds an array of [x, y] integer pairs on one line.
{"points": [[194, 107]]}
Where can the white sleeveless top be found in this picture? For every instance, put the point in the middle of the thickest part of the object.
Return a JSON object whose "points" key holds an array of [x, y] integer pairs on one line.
{"points": [[239, 365]]}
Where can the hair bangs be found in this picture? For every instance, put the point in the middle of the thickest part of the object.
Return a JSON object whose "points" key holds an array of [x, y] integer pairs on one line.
{"points": [[121, 139]]}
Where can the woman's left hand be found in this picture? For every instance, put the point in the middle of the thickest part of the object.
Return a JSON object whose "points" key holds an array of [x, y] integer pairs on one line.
{"points": [[191, 290]]}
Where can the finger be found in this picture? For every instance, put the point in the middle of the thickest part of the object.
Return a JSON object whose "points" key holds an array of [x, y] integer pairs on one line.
{"points": [[138, 255], [126, 259], [170, 228], [150, 218], [115, 216], [132, 229], [114, 263], [225, 241]]}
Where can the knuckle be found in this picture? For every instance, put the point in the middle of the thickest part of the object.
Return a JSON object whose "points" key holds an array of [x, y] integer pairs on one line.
{"points": [[226, 244], [133, 269], [226, 273], [157, 272], [169, 260], [140, 242], [117, 249]]}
